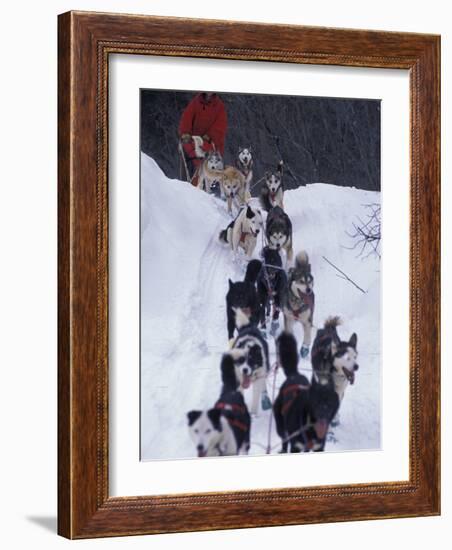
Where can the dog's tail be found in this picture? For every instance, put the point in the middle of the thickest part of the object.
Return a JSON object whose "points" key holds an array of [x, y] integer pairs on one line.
{"points": [[288, 353], [241, 318], [332, 322], [302, 260], [223, 236], [228, 376], [279, 168], [264, 200], [252, 271]]}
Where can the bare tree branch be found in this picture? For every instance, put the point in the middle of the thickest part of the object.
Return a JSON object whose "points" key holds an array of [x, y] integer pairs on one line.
{"points": [[367, 234], [345, 276]]}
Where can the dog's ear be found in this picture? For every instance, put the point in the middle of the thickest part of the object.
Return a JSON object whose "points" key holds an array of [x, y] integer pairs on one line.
{"points": [[249, 213], [230, 283], [240, 149], [353, 340], [214, 416], [193, 417], [267, 175], [249, 149]]}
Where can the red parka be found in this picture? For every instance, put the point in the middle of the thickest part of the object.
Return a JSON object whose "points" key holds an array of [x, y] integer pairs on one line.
{"points": [[205, 116]]}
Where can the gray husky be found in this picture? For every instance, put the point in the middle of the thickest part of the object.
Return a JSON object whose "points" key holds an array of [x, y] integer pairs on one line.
{"points": [[244, 162], [211, 171], [272, 192], [299, 302], [278, 231]]}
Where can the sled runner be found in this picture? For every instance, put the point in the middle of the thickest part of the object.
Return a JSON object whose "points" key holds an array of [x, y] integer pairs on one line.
{"points": [[189, 164]]}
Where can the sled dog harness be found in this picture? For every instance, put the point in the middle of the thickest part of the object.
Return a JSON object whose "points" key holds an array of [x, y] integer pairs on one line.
{"points": [[234, 408], [244, 234], [290, 393], [307, 302]]}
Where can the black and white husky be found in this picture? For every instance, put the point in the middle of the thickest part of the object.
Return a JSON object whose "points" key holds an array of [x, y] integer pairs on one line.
{"points": [[334, 359], [272, 192], [243, 295], [243, 231], [271, 287], [251, 360], [300, 300], [278, 231], [303, 412], [225, 429], [244, 162]]}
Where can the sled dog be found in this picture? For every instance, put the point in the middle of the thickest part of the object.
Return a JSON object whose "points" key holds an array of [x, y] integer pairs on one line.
{"points": [[243, 231], [244, 162], [334, 359], [278, 231], [211, 433], [224, 429], [272, 192], [323, 407], [299, 302], [232, 405], [303, 411], [243, 295], [233, 187], [210, 171], [291, 406], [271, 287], [250, 356]]}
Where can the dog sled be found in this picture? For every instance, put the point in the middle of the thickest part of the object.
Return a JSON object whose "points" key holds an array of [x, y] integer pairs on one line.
{"points": [[184, 173], [189, 165]]}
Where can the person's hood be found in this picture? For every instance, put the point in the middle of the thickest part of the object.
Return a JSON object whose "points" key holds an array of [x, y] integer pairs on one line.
{"points": [[202, 98]]}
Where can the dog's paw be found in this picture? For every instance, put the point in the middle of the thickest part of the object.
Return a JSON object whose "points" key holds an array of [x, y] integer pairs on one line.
{"points": [[304, 351], [265, 402], [336, 421]]}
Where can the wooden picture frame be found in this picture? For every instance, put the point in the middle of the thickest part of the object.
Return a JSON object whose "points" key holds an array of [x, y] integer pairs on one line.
{"points": [[85, 42]]}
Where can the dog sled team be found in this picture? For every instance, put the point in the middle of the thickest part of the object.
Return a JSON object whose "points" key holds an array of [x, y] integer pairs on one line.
{"points": [[275, 285]]}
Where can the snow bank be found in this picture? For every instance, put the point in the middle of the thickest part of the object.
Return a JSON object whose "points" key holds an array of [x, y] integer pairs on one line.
{"points": [[184, 279]]}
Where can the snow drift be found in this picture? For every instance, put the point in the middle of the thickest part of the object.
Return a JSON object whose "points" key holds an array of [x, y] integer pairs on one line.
{"points": [[184, 280]]}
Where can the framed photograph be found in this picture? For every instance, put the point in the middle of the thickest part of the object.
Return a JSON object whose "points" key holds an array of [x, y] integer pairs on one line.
{"points": [[248, 275]]}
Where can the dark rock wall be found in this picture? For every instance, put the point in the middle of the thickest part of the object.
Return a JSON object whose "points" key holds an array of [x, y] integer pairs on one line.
{"points": [[329, 140]]}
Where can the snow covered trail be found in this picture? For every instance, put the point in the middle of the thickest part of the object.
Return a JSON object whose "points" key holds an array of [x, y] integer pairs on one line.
{"points": [[184, 280]]}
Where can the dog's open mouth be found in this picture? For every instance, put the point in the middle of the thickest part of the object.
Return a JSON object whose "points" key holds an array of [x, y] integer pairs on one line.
{"points": [[321, 427], [301, 295], [246, 381], [350, 375]]}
